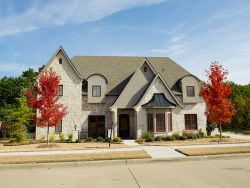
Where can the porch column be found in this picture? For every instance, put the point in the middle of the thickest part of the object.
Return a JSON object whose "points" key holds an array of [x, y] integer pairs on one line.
{"points": [[115, 124], [154, 120]]}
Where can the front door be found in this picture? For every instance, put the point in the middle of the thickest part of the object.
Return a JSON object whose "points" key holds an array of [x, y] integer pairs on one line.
{"points": [[124, 125]]}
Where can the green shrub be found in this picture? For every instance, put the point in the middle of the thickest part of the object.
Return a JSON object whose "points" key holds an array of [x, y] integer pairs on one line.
{"points": [[70, 137], [79, 140], [52, 137], [100, 139], [42, 138], [89, 139], [158, 138], [176, 135], [200, 133], [191, 136], [182, 137], [61, 137], [210, 128], [148, 136], [140, 140], [107, 139], [117, 139], [185, 133], [168, 138]]}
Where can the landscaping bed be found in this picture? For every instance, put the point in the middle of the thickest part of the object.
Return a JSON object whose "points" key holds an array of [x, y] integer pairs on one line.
{"points": [[214, 150], [74, 157]]}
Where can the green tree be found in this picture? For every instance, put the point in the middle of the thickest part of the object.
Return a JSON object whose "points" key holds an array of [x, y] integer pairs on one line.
{"points": [[20, 118]]}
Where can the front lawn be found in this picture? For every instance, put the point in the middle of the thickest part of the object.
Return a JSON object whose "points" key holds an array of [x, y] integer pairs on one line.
{"points": [[60, 146], [214, 150], [74, 157], [200, 141]]}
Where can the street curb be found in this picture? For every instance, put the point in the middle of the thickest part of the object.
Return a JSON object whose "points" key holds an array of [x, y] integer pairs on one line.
{"points": [[122, 162]]}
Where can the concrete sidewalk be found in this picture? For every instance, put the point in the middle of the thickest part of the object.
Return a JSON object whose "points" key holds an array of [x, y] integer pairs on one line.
{"points": [[237, 136]]}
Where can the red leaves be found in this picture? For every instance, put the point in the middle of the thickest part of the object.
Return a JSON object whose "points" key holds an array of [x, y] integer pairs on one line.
{"points": [[44, 100], [215, 92]]}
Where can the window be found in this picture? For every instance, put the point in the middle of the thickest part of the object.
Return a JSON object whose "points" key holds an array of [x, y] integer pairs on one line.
{"points": [[190, 91], [160, 122], [191, 121], [60, 60], [60, 90], [96, 126], [58, 128], [169, 121], [145, 68], [96, 91], [150, 122]]}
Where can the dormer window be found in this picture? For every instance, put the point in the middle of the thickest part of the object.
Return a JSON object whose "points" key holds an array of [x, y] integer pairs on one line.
{"points": [[96, 91], [190, 91], [145, 68], [60, 61]]}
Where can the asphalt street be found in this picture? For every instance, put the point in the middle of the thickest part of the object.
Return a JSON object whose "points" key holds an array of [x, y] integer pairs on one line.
{"points": [[205, 173]]}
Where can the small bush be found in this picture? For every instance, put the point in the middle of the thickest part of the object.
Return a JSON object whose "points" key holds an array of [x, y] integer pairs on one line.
{"points": [[191, 136], [52, 137], [148, 136], [100, 139], [183, 138], [89, 139], [79, 140], [176, 135], [117, 139], [210, 128], [140, 140], [185, 133], [61, 137], [107, 139], [158, 138], [200, 133], [168, 138], [70, 137], [42, 138]]}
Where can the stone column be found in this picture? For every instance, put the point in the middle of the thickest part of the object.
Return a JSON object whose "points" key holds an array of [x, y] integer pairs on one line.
{"points": [[114, 122]]}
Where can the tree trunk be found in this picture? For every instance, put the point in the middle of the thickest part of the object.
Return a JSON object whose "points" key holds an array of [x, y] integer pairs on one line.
{"points": [[48, 136], [220, 133]]}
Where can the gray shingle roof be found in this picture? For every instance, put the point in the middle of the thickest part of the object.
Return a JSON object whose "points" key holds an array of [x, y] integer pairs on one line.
{"points": [[119, 69], [159, 100]]}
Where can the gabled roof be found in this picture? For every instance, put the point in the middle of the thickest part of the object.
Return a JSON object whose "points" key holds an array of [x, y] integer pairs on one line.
{"points": [[119, 69], [159, 100]]}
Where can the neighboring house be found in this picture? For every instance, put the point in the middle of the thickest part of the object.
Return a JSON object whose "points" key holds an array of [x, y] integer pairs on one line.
{"points": [[131, 95]]}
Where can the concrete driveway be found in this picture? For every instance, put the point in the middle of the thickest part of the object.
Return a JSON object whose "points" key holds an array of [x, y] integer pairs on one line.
{"points": [[221, 173]]}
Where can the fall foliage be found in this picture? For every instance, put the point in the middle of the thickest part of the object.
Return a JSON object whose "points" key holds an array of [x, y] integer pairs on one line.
{"points": [[215, 92], [45, 100]]}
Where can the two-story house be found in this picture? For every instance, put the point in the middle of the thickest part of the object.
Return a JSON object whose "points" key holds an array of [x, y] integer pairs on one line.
{"points": [[130, 95]]}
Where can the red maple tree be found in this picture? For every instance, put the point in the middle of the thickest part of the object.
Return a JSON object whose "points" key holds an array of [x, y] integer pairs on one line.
{"points": [[215, 92], [44, 99]]}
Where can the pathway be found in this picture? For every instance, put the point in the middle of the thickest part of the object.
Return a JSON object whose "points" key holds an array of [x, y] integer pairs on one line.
{"points": [[237, 136]]}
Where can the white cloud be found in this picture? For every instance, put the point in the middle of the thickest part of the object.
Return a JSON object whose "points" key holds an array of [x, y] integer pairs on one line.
{"points": [[14, 67], [64, 11]]}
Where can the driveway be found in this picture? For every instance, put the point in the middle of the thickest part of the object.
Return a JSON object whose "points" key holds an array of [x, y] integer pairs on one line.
{"points": [[189, 174]]}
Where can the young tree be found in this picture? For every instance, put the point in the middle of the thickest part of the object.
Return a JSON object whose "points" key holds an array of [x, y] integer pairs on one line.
{"points": [[45, 101], [215, 92], [21, 118]]}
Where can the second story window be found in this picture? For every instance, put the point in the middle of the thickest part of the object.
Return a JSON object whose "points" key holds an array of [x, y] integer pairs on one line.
{"points": [[60, 90], [190, 91], [96, 91]]}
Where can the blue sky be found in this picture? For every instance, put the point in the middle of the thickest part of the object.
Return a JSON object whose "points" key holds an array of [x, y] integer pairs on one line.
{"points": [[193, 33]]}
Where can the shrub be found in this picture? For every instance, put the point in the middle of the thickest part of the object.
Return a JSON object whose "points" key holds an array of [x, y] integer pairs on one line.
{"points": [[100, 139], [42, 138], [148, 136], [168, 138], [210, 128], [182, 137], [61, 137], [158, 138], [89, 139], [176, 135], [200, 134], [52, 137], [70, 137], [79, 140], [185, 133], [191, 136], [140, 140], [107, 139], [117, 139]]}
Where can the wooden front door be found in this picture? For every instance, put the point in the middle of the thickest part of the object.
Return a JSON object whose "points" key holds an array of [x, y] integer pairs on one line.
{"points": [[96, 126], [124, 126]]}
